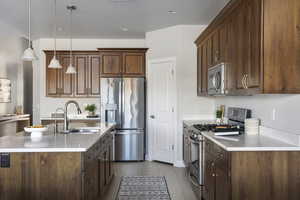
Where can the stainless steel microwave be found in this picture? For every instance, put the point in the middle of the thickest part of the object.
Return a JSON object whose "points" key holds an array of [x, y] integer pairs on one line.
{"points": [[216, 80]]}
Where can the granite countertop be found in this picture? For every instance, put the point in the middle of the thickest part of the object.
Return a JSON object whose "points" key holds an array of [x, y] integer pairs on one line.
{"points": [[51, 142], [246, 142]]}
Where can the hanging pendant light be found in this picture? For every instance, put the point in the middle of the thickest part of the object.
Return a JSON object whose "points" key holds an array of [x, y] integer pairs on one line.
{"points": [[71, 69], [54, 63], [28, 54]]}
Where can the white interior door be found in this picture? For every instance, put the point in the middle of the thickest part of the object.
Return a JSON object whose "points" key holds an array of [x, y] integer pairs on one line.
{"points": [[161, 113]]}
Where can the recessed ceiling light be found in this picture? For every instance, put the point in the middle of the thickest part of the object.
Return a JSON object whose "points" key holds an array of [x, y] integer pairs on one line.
{"points": [[124, 29], [172, 12]]}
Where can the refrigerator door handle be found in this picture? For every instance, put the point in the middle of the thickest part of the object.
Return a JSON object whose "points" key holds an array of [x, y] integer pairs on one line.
{"points": [[120, 102], [123, 102]]}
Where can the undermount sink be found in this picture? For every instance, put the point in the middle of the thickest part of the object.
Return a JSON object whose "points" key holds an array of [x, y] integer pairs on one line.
{"points": [[84, 130]]}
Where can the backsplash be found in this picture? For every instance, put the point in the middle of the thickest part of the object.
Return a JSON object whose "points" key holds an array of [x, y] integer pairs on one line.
{"points": [[281, 112], [60, 103]]}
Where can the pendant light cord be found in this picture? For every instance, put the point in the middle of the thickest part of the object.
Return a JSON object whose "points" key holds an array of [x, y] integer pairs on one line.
{"points": [[55, 28], [71, 45], [29, 23]]}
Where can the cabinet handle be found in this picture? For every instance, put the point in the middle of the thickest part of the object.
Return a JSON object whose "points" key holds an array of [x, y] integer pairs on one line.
{"points": [[246, 81], [243, 82]]}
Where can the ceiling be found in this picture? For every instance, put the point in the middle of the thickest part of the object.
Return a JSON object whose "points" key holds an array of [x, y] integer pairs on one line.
{"points": [[107, 18]]}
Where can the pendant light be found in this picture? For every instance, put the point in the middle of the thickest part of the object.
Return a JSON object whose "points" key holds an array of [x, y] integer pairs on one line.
{"points": [[28, 54], [71, 69], [54, 63]]}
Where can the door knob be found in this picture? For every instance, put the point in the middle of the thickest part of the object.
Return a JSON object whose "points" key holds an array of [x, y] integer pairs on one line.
{"points": [[152, 116]]}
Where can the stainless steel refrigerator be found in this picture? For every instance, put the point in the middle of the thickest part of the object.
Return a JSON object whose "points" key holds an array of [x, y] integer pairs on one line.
{"points": [[123, 103]]}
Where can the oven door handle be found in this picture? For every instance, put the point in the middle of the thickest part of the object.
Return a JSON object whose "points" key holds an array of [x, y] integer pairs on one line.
{"points": [[194, 141]]}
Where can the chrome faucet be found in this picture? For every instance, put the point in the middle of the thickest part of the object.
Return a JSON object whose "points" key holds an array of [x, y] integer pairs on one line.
{"points": [[66, 121]]}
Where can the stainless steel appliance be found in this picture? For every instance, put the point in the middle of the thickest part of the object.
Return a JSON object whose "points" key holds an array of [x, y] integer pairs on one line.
{"points": [[123, 103], [194, 156], [216, 80]]}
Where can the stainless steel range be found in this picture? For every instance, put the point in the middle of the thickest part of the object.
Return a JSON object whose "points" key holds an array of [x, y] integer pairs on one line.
{"points": [[193, 155]]}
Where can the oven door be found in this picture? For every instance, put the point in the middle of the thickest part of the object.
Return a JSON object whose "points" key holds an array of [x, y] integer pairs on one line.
{"points": [[196, 162], [216, 80]]}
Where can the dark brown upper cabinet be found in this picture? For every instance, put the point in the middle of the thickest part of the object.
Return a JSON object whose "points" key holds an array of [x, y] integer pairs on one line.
{"points": [[259, 40], [85, 83], [111, 64], [134, 64], [202, 68], [117, 62]]}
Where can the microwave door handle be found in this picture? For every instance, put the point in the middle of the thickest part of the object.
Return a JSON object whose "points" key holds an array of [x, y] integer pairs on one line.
{"points": [[214, 81]]}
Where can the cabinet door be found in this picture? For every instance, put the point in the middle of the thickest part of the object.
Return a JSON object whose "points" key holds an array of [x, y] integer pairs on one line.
{"points": [[253, 10], [111, 64], [241, 59], [52, 88], [231, 78], [101, 173], [209, 52], [82, 75], [110, 158], [209, 176], [281, 46], [204, 68], [223, 48], [134, 64], [94, 76], [215, 48], [65, 80], [222, 185]]}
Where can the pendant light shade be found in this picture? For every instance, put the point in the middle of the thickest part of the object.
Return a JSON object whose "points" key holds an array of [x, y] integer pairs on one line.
{"points": [[54, 63], [71, 69], [29, 54]]}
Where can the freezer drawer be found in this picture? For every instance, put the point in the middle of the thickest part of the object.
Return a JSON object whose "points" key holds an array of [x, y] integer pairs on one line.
{"points": [[129, 145]]}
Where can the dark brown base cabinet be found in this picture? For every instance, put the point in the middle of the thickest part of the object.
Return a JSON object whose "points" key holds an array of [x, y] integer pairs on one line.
{"points": [[59, 176], [259, 40], [250, 175]]}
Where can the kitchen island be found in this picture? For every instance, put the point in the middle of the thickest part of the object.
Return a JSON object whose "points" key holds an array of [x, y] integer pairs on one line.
{"points": [[56, 166]]}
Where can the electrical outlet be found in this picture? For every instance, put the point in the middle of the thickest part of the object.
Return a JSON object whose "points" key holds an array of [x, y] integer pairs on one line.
{"points": [[4, 160], [274, 114]]}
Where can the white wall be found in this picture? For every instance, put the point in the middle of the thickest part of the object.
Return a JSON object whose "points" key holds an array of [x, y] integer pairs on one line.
{"points": [[44, 106], [178, 42], [287, 110], [11, 64]]}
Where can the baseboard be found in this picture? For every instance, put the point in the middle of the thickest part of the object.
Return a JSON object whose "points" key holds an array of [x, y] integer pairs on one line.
{"points": [[179, 163]]}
